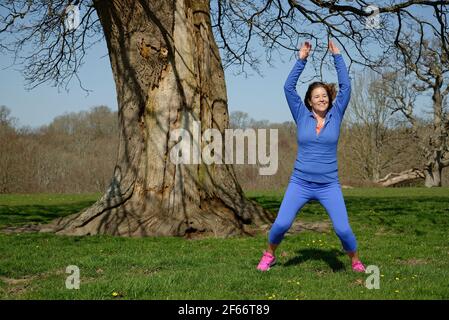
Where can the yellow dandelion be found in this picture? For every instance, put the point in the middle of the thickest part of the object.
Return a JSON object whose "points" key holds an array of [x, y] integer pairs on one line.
{"points": [[115, 294], [397, 278], [397, 291]]}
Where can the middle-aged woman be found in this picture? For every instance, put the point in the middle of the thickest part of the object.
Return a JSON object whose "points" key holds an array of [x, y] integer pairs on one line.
{"points": [[315, 174]]}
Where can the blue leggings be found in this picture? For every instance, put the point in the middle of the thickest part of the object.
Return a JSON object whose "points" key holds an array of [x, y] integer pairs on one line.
{"points": [[298, 193]]}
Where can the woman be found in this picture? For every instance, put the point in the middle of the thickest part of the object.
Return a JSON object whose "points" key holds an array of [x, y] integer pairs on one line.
{"points": [[315, 175]]}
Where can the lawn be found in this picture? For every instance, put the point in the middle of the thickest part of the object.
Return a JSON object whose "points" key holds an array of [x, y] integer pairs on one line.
{"points": [[404, 232]]}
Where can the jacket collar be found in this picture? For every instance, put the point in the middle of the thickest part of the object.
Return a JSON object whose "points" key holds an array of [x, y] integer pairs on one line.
{"points": [[328, 114]]}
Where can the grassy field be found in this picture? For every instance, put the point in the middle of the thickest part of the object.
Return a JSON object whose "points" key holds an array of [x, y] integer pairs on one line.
{"points": [[402, 231]]}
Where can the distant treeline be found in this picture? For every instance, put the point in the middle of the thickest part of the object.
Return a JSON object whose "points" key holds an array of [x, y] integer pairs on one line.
{"points": [[76, 153]]}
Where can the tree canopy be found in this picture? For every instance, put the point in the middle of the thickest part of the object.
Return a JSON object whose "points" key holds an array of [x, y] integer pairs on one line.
{"points": [[34, 32]]}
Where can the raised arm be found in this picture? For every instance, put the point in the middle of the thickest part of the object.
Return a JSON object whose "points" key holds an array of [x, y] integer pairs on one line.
{"points": [[293, 99], [344, 83]]}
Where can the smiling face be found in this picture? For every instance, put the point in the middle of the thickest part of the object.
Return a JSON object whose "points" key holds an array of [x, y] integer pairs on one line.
{"points": [[319, 100]]}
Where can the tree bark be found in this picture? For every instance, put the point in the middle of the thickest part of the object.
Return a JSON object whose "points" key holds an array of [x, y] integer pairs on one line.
{"points": [[393, 179], [438, 139], [168, 74], [433, 171]]}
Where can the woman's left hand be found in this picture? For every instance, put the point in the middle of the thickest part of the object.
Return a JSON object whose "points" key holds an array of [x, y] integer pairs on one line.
{"points": [[333, 48]]}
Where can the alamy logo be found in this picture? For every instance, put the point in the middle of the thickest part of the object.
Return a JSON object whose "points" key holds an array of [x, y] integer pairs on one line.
{"points": [[72, 281], [373, 281], [373, 20], [72, 17], [188, 150]]}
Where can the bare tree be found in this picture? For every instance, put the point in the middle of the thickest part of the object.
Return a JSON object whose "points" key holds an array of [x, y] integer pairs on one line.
{"points": [[430, 72], [239, 119], [373, 142], [8, 138], [358, 26], [168, 74]]}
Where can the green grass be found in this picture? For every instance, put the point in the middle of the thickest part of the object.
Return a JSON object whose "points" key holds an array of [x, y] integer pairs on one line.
{"points": [[402, 231], [23, 209]]}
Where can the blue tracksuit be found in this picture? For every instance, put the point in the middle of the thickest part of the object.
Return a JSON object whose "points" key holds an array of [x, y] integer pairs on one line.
{"points": [[315, 174]]}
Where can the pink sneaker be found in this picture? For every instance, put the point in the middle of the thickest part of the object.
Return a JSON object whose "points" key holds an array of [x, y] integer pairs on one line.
{"points": [[267, 261], [358, 266]]}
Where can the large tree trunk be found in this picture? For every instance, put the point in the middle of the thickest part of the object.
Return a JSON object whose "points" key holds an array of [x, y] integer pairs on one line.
{"points": [[435, 147], [168, 73], [433, 178], [433, 170], [438, 140]]}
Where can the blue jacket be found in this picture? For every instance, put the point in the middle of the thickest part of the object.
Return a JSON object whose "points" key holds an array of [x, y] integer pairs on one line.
{"points": [[316, 160]]}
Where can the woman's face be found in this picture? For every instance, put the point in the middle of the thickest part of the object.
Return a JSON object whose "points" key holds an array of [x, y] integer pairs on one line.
{"points": [[319, 100]]}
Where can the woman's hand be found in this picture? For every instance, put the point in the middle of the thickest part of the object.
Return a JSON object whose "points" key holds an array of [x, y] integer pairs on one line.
{"points": [[333, 48], [304, 50]]}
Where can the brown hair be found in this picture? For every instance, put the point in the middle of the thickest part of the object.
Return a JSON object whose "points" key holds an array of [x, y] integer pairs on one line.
{"points": [[330, 89]]}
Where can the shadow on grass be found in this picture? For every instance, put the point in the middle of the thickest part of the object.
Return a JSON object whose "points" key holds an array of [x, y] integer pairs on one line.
{"points": [[19, 215], [267, 202], [274, 203], [416, 215], [328, 256]]}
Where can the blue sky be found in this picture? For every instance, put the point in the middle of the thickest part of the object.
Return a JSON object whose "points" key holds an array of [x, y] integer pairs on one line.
{"points": [[261, 97], [42, 104]]}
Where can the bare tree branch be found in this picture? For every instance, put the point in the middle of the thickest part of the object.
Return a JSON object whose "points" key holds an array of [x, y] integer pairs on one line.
{"points": [[44, 48], [273, 24]]}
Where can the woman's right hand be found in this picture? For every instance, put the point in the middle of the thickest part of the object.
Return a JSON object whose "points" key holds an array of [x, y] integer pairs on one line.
{"points": [[304, 50]]}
